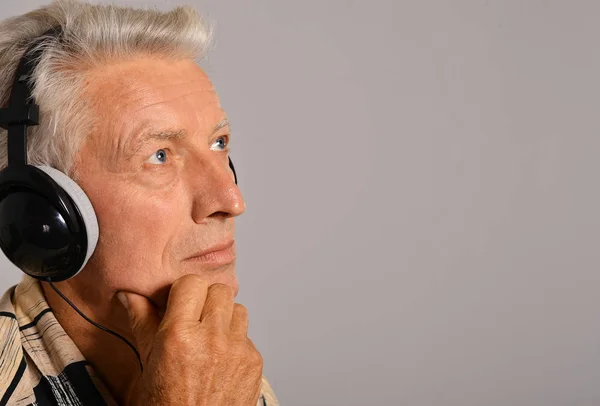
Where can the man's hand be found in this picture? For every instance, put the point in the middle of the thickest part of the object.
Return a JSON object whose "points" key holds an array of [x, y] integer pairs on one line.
{"points": [[199, 354]]}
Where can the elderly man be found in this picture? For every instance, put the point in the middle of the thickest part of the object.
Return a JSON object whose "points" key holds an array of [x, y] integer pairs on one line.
{"points": [[126, 113]]}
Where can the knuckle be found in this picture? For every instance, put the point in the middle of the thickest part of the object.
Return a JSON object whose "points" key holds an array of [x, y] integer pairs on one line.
{"points": [[216, 310], [256, 358], [220, 289], [240, 311], [243, 353]]}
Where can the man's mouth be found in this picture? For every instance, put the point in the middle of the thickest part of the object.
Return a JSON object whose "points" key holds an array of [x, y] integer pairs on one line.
{"points": [[218, 255]]}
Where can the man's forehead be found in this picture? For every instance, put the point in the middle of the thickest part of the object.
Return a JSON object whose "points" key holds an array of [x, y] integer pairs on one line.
{"points": [[134, 85], [138, 101]]}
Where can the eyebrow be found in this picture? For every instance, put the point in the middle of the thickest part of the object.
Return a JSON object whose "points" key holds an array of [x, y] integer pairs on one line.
{"points": [[221, 124], [167, 134]]}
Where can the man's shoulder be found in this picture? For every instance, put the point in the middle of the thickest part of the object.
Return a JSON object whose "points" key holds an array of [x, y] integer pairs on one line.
{"points": [[13, 359], [8, 318], [6, 305], [34, 346]]}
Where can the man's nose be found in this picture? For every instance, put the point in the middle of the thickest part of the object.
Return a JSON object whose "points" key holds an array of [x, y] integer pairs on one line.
{"points": [[214, 190]]}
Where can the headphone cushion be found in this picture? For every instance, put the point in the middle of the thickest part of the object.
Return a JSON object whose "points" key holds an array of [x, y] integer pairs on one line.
{"points": [[83, 204]]}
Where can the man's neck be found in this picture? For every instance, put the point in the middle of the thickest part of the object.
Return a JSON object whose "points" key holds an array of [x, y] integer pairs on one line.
{"points": [[114, 362]]}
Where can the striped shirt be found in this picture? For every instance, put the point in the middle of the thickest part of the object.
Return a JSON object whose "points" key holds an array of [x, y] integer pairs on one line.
{"points": [[39, 363]]}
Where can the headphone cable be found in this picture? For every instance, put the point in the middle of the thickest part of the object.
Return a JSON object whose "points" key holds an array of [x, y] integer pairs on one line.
{"points": [[137, 354]]}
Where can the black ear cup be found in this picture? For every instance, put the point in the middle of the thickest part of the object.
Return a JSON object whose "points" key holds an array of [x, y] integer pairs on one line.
{"points": [[233, 169], [42, 229]]}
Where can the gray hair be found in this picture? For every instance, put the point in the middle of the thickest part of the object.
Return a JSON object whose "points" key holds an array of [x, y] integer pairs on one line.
{"points": [[92, 35]]}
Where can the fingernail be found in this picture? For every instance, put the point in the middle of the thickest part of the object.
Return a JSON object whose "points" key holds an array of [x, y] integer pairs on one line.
{"points": [[123, 298]]}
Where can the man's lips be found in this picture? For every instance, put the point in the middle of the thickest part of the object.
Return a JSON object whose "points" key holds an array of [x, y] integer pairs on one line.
{"points": [[217, 255]]}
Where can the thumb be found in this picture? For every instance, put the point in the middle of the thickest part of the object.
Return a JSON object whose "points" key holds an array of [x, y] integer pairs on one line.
{"points": [[143, 320]]}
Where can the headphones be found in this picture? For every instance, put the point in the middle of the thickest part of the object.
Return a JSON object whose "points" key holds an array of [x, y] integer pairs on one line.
{"points": [[48, 227]]}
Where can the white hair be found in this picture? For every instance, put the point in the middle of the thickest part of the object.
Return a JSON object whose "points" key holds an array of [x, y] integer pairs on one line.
{"points": [[92, 35]]}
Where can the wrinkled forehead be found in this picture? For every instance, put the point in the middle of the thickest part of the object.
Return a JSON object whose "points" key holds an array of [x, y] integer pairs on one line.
{"points": [[130, 96]]}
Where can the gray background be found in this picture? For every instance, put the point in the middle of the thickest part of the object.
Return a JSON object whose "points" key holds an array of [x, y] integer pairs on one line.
{"points": [[420, 178]]}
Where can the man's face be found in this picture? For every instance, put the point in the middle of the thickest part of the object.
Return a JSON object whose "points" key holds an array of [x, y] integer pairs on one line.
{"points": [[159, 199]]}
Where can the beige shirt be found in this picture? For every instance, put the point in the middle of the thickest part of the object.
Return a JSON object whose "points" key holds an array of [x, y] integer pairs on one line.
{"points": [[40, 364]]}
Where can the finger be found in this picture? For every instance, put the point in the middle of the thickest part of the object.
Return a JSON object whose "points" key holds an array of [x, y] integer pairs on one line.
{"points": [[186, 299], [143, 320], [218, 308], [239, 322]]}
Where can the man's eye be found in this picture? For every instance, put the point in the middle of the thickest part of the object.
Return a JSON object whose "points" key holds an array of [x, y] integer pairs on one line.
{"points": [[158, 158], [223, 142]]}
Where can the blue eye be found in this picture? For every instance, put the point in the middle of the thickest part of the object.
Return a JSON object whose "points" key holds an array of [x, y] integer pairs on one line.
{"points": [[159, 157], [224, 142]]}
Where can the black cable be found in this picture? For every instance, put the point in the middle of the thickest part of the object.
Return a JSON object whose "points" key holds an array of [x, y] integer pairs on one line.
{"points": [[137, 354]]}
